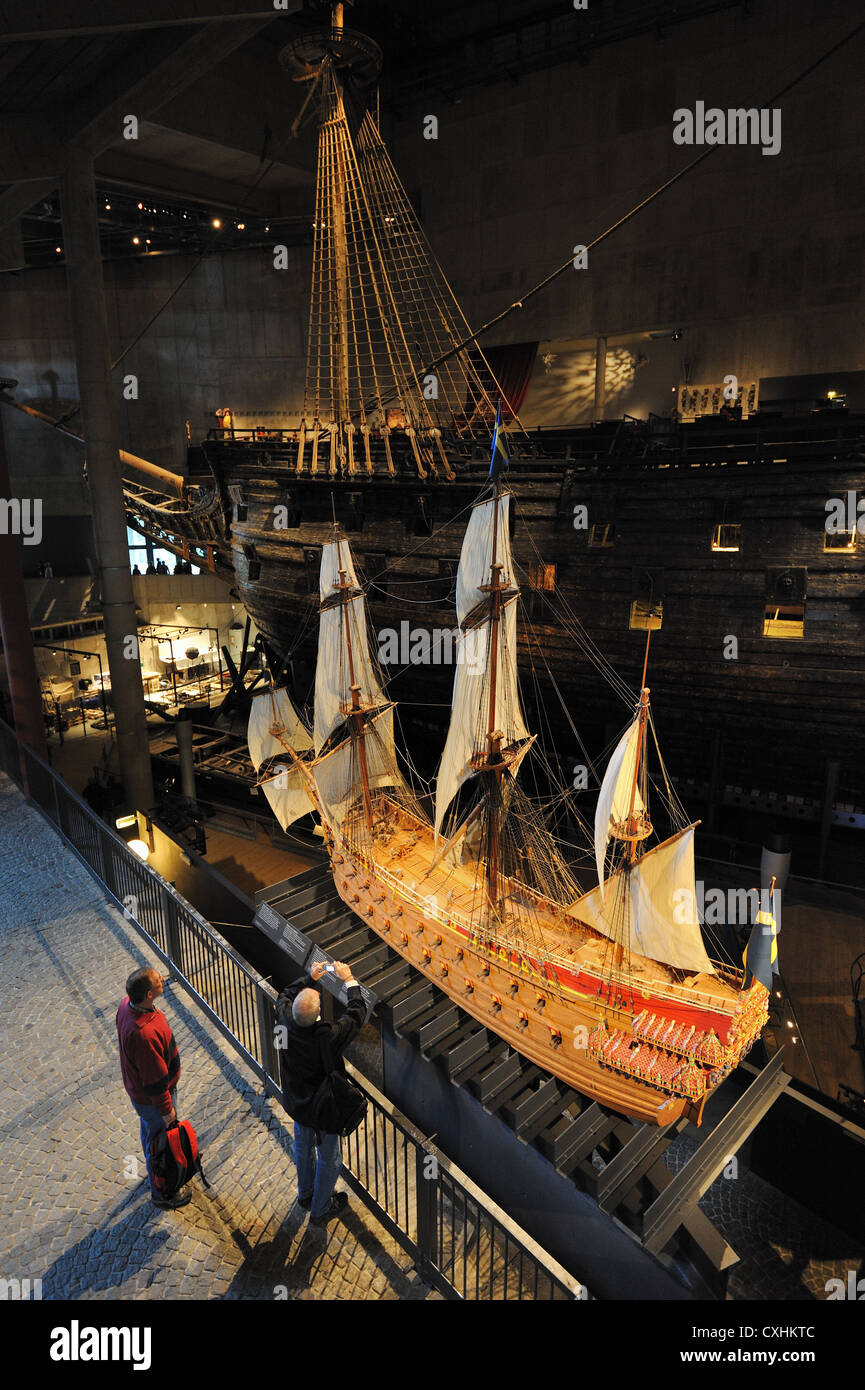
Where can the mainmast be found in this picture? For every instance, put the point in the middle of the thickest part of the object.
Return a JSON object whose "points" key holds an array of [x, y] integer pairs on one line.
{"points": [[495, 765], [358, 730]]}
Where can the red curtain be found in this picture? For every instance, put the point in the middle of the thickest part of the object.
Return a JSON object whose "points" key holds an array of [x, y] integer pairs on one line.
{"points": [[512, 367]]}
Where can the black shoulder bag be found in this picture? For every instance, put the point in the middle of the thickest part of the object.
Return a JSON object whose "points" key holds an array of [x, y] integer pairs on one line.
{"points": [[337, 1107]]}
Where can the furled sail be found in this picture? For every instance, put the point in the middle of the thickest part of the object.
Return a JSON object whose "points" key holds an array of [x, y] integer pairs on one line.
{"points": [[286, 791], [269, 709], [650, 906], [338, 776], [333, 672], [614, 799], [471, 694]]}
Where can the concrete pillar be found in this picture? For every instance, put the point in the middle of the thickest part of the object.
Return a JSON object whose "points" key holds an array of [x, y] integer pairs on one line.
{"points": [[833, 769], [93, 360], [16, 632], [183, 732], [600, 377]]}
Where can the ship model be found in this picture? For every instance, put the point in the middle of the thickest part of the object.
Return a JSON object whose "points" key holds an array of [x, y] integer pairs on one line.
{"points": [[612, 990]]}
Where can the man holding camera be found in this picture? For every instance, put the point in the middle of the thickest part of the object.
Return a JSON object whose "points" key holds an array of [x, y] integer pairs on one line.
{"points": [[316, 1090]]}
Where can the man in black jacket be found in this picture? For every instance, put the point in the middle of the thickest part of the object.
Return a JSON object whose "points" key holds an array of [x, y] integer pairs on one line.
{"points": [[309, 1049]]}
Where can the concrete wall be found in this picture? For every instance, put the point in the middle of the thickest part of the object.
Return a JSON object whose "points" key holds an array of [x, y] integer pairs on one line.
{"points": [[234, 335], [759, 258]]}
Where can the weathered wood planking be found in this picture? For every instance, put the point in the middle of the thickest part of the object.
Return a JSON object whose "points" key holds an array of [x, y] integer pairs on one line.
{"points": [[783, 706]]}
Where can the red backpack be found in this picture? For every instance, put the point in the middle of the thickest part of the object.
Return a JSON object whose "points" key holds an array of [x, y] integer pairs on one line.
{"points": [[174, 1158]]}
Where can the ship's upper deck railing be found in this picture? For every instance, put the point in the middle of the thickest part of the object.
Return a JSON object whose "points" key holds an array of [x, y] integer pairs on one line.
{"points": [[448, 916]]}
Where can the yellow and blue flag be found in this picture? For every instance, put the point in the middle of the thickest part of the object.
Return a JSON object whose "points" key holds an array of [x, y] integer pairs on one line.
{"points": [[761, 953], [500, 455]]}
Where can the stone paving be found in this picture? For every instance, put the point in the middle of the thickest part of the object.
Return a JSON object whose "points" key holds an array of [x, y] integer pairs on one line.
{"points": [[785, 1251], [73, 1197]]}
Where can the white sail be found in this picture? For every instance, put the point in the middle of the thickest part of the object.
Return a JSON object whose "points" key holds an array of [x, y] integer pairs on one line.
{"points": [[273, 707], [338, 773], [332, 557], [471, 699], [614, 799], [651, 906], [332, 673], [476, 556], [286, 791]]}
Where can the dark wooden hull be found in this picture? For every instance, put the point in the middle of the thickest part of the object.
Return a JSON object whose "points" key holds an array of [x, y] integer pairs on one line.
{"points": [[770, 713]]}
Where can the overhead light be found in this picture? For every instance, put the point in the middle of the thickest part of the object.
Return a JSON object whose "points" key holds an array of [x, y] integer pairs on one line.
{"points": [[140, 848], [216, 223], [107, 207], [140, 207], [124, 822], [136, 241], [241, 226], [59, 250]]}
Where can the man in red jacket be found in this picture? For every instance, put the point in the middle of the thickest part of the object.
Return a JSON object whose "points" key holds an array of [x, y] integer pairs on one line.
{"points": [[149, 1064]]}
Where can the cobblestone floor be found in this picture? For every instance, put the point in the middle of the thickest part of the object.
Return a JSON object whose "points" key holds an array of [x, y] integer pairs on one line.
{"points": [[785, 1251], [73, 1200]]}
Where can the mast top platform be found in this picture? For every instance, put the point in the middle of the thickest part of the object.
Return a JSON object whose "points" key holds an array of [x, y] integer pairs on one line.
{"points": [[347, 49]]}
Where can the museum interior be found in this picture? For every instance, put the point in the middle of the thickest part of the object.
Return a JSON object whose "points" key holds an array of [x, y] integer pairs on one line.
{"points": [[432, 538]]}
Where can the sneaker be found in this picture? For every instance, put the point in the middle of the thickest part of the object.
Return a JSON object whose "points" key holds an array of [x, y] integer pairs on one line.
{"points": [[172, 1203], [337, 1203]]}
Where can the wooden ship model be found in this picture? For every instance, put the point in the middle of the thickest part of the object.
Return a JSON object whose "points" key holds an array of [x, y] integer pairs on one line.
{"points": [[612, 990]]}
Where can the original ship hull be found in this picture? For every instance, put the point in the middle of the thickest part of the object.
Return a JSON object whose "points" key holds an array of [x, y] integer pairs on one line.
{"points": [[662, 511], [572, 1020]]}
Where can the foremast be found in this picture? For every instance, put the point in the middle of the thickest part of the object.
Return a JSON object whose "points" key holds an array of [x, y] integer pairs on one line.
{"points": [[353, 730]]}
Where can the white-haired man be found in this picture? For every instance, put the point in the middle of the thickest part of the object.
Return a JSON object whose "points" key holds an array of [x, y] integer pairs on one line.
{"points": [[310, 1051]]}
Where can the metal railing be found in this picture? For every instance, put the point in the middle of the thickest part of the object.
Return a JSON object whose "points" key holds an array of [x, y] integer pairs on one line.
{"points": [[461, 1242]]}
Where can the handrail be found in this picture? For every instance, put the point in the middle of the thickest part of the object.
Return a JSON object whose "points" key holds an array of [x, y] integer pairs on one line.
{"points": [[440, 1223]]}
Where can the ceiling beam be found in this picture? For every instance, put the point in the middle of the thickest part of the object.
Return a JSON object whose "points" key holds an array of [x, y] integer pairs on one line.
{"points": [[45, 19], [185, 185], [94, 128]]}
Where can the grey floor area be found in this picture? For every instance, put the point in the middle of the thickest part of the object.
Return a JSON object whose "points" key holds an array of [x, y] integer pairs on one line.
{"points": [[73, 1201], [74, 1209]]}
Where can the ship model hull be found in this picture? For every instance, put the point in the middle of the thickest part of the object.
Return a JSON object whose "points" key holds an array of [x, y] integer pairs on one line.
{"points": [[651, 1051]]}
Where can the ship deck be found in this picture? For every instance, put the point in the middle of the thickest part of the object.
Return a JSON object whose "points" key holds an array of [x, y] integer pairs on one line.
{"points": [[533, 925]]}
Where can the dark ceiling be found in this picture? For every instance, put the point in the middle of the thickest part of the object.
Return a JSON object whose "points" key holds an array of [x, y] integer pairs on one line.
{"points": [[215, 108]]}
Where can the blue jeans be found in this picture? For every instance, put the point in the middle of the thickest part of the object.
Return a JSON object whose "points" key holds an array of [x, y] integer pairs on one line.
{"points": [[316, 1179], [152, 1121]]}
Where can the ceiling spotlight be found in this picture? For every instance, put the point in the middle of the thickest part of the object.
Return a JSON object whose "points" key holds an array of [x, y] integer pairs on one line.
{"points": [[267, 229], [216, 223], [140, 207], [59, 250], [136, 241]]}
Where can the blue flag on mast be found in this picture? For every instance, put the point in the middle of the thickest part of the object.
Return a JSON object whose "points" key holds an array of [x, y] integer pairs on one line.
{"points": [[500, 457]]}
